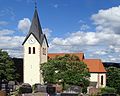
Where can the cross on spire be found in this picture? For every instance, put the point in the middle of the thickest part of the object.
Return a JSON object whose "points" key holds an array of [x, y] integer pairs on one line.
{"points": [[35, 1]]}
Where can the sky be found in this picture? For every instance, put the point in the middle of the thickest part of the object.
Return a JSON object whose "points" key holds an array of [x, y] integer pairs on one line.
{"points": [[88, 26]]}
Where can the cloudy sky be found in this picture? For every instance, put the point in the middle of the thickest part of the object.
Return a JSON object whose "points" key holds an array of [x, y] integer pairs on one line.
{"points": [[89, 26]]}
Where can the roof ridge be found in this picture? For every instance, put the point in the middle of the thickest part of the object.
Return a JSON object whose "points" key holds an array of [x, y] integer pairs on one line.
{"points": [[92, 59], [66, 53]]}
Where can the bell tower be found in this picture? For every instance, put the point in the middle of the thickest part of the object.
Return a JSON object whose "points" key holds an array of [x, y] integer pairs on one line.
{"points": [[35, 52]]}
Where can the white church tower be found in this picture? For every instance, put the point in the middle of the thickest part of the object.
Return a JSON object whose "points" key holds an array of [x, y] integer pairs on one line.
{"points": [[35, 52]]}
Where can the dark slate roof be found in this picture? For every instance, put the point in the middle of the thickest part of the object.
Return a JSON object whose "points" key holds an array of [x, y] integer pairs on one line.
{"points": [[43, 37], [36, 29]]}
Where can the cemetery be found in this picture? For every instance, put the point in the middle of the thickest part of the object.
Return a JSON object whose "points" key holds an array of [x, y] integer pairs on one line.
{"points": [[51, 74]]}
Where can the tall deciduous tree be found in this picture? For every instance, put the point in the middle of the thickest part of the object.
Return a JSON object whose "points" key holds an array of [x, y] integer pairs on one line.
{"points": [[113, 78], [7, 68], [67, 69]]}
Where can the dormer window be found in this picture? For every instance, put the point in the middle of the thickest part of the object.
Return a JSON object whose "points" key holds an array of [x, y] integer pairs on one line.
{"points": [[33, 50], [29, 50]]}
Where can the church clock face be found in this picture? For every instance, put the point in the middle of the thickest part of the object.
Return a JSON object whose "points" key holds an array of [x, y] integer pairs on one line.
{"points": [[31, 41]]}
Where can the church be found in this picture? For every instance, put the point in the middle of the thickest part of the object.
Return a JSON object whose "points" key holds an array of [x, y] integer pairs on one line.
{"points": [[36, 52]]}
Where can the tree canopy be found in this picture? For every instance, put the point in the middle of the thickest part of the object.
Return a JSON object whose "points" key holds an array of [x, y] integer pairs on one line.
{"points": [[113, 78], [68, 69], [7, 68]]}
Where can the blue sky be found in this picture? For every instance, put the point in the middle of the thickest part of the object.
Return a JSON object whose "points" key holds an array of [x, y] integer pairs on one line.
{"points": [[89, 26]]}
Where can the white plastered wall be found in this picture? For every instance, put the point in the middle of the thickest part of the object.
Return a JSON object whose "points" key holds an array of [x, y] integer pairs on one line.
{"points": [[43, 57], [96, 77], [32, 62]]}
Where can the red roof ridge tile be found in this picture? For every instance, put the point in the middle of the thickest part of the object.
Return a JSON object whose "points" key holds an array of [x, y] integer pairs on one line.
{"points": [[68, 53]]}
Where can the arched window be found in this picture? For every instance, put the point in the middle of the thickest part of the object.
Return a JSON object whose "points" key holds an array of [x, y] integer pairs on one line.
{"points": [[101, 80], [29, 50], [33, 50]]}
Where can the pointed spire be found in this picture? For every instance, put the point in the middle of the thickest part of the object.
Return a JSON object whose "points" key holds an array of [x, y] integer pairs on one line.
{"points": [[35, 28]]}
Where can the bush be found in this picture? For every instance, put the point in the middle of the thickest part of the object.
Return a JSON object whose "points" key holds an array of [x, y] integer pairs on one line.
{"points": [[107, 90]]}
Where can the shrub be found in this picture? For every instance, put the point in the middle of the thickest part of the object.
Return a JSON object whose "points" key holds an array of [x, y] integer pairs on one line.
{"points": [[107, 90]]}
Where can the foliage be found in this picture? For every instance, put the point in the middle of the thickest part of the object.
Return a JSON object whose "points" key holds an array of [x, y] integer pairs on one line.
{"points": [[107, 90], [113, 78], [84, 89], [7, 68], [66, 69]]}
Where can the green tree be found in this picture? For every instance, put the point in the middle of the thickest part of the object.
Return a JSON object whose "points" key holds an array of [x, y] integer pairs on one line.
{"points": [[113, 78], [7, 68], [66, 69]]}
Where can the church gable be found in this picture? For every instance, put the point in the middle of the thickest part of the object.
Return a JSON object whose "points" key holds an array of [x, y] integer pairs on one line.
{"points": [[31, 40]]}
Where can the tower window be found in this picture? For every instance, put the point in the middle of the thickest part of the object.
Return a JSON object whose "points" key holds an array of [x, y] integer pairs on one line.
{"points": [[44, 51], [29, 50], [33, 50], [101, 80]]}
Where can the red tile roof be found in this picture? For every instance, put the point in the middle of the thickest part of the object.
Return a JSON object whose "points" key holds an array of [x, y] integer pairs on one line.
{"points": [[53, 55], [94, 65]]}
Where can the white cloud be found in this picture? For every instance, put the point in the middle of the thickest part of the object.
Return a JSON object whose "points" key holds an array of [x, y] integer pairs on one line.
{"points": [[47, 32], [3, 23], [81, 21], [11, 44], [6, 32], [100, 52], [108, 20], [24, 25], [88, 38], [8, 12], [84, 27]]}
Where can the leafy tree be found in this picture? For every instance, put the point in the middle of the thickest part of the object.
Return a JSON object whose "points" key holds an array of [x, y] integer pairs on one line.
{"points": [[7, 68], [66, 69], [113, 78]]}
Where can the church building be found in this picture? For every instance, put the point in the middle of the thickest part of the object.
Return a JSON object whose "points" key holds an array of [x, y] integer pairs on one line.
{"points": [[36, 52]]}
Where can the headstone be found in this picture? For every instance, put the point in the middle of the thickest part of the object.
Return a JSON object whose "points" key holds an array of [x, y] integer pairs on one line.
{"points": [[69, 94], [40, 88], [73, 88], [51, 90], [25, 88], [11, 85], [4, 86]]}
